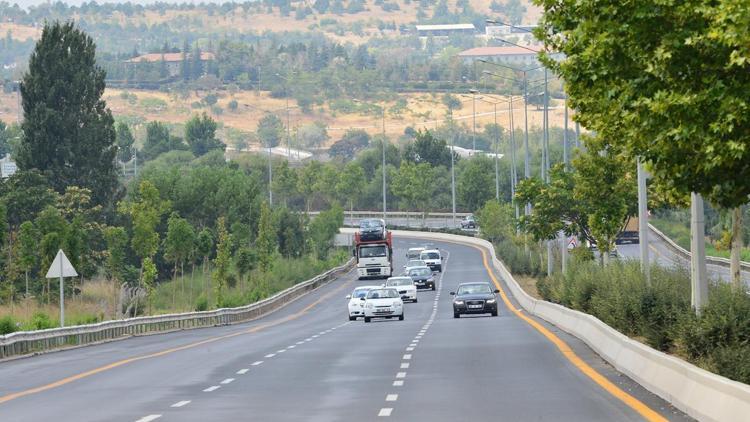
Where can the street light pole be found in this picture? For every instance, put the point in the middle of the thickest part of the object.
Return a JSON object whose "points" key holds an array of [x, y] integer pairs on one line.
{"points": [[474, 120], [453, 171], [384, 141], [497, 148], [270, 178]]}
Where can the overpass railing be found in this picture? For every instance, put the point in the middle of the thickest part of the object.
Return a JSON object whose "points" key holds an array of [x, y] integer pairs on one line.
{"points": [[685, 254]]}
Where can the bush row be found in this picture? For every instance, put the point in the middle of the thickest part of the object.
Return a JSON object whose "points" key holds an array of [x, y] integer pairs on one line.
{"points": [[660, 314]]}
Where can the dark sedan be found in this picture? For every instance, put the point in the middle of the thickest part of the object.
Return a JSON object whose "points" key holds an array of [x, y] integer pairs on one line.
{"points": [[474, 298], [423, 277]]}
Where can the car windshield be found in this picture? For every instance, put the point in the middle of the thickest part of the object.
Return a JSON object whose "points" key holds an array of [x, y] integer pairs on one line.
{"points": [[369, 224], [360, 293], [399, 282], [430, 255], [420, 272], [474, 289], [372, 251], [415, 263], [382, 294]]}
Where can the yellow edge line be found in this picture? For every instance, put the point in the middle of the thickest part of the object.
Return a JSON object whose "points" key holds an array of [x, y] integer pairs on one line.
{"points": [[119, 363], [645, 411]]}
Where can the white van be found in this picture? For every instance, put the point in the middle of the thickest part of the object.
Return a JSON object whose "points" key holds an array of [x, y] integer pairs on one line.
{"points": [[432, 259], [414, 253]]}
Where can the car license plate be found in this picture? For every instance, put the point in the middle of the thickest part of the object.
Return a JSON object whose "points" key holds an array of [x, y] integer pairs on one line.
{"points": [[475, 306]]}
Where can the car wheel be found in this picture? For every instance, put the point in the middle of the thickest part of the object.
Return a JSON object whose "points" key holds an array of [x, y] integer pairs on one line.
{"points": [[456, 315], [415, 300], [367, 319], [433, 287], [401, 317], [494, 313], [352, 318]]}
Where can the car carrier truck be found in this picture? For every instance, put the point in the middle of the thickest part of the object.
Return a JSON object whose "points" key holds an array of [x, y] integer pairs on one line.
{"points": [[374, 257]]}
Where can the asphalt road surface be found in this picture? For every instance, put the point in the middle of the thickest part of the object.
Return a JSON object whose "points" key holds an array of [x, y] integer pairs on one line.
{"points": [[307, 362]]}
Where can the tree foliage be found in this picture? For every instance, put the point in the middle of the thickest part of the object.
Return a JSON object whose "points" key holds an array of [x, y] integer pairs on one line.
{"points": [[68, 131], [200, 134]]}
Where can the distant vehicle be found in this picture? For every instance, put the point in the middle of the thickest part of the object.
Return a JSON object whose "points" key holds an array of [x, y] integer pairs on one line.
{"points": [[413, 263], [474, 298], [357, 306], [372, 229], [469, 222], [423, 277], [629, 233], [433, 259], [383, 303], [405, 286], [413, 253]]}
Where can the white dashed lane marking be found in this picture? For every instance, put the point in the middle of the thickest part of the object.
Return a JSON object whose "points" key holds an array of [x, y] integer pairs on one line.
{"points": [[243, 371], [270, 355], [405, 365], [407, 356], [180, 403], [386, 411], [391, 397], [256, 363], [398, 383], [150, 418], [401, 375], [212, 388], [227, 381]]}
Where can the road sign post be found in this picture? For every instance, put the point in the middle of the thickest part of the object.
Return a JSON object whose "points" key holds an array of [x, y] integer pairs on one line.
{"points": [[61, 268]]}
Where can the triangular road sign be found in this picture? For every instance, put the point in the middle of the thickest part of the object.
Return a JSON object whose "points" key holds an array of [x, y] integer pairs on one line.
{"points": [[61, 266]]}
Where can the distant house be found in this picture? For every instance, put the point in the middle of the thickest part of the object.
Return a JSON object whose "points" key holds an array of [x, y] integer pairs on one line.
{"points": [[172, 60], [445, 30], [512, 54], [7, 167]]}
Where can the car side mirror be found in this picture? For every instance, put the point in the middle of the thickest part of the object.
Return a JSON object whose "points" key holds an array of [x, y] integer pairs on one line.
{"points": [[348, 296], [453, 293], [497, 291], [362, 299]]}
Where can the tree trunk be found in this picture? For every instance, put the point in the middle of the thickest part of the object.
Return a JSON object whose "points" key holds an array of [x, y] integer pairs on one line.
{"points": [[174, 285], [734, 263], [182, 277]]}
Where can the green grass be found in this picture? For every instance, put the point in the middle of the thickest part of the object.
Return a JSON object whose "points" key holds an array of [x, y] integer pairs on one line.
{"points": [[679, 232]]}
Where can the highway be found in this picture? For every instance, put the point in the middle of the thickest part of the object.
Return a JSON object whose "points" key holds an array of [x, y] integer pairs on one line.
{"points": [[307, 362]]}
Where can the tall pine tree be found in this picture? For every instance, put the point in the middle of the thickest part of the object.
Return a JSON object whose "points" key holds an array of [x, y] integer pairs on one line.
{"points": [[69, 133]]}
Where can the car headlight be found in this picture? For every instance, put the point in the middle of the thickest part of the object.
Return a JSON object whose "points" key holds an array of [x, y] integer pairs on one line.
{"points": [[397, 304], [458, 302], [491, 300]]}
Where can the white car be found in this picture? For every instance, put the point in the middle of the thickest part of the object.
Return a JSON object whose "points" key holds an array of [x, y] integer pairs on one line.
{"points": [[413, 263], [406, 287], [383, 303], [432, 259], [356, 305]]}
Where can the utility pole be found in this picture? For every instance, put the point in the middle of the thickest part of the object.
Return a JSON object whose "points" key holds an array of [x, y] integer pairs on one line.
{"points": [[565, 134], [513, 169], [698, 277], [474, 121], [643, 221], [497, 150], [453, 170], [135, 162], [288, 128], [270, 178], [384, 141]]}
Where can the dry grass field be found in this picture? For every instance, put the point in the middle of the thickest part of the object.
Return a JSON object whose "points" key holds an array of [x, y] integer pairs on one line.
{"points": [[422, 111]]}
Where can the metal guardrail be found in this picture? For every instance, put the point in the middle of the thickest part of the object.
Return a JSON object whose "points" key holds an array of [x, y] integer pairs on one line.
{"points": [[684, 253], [30, 342]]}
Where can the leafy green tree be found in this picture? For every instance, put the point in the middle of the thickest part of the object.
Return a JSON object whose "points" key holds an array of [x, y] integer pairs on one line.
{"points": [[125, 141], [223, 261], [452, 102], [114, 266], [413, 184], [323, 229], [270, 131], [178, 245], [265, 243], [246, 262], [353, 141], [284, 181], [497, 221], [27, 245], [642, 90], [200, 134], [25, 194], [476, 182], [350, 183], [313, 135], [428, 149], [291, 233], [68, 131], [4, 139], [148, 280], [204, 246], [305, 185], [159, 140]]}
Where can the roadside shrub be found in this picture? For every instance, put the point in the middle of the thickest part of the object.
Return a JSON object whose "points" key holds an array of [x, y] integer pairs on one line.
{"points": [[201, 304], [517, 259], [41, 321], [7, 325]]}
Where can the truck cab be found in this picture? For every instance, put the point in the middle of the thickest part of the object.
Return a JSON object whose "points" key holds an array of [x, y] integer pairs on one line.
{"points": [[374, 257]]}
